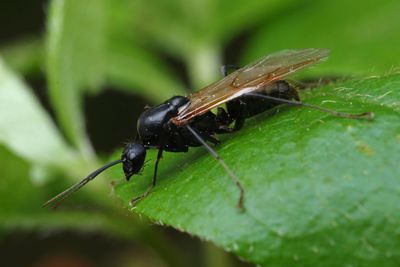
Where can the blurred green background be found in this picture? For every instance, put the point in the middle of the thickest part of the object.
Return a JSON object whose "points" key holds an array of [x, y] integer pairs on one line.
{"points": [[75, 75]]}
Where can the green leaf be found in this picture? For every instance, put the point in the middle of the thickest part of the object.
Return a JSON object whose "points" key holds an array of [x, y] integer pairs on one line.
{"points": [[21, 209], [21, 206], [319, 190], [131, 64], [196, 31], [180, 26], [135, 70], [25, 127], [362, 38], [234, 17], [24, 55], [76, 44]]}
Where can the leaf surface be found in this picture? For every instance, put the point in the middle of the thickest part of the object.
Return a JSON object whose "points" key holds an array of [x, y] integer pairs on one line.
{"points": [[319, 190], [76, 43], [363, 39], [25, 127]]}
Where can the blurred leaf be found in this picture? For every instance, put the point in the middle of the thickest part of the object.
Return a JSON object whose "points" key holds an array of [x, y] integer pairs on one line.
{"points": [[25, 55], [133, 65], [135, 70], [181, 26], [363, 36], [195, 31], [25, 127], [234, 17], [22, 201], [21, 208], [76, 44], [320, 190]]}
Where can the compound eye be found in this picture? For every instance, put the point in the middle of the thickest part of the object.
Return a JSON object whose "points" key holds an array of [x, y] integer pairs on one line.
{"points": [[131, 155], [130, 152], [128, 168]]}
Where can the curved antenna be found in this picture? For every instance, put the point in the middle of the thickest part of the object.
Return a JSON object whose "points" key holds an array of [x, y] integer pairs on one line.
{"points": [[57, 200]]}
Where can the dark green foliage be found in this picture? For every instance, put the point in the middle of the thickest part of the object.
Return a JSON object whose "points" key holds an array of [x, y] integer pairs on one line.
{"points": [[320, 191]]}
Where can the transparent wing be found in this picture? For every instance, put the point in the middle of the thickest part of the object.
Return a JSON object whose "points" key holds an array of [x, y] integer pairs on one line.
{"points": [[249, 79]]}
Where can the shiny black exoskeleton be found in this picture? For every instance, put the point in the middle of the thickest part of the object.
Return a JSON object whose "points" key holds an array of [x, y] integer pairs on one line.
{"points": [[155, 130], [248, 105], [251, 91]]}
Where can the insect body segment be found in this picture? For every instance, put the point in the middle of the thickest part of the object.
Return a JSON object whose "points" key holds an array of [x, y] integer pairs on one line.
{"points": [[132, 159], [248, 105], [183, 122]]}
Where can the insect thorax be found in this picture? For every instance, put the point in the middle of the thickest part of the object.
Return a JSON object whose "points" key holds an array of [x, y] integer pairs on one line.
{"points": [[153, 122]]}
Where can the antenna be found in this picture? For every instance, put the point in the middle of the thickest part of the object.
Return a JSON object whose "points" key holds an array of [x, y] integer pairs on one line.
{"points": [[57, 200]]}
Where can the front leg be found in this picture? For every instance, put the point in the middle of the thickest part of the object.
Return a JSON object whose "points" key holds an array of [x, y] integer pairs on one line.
{"points": [[147, 192], [237, 110], [238, 114], [223, 120]]}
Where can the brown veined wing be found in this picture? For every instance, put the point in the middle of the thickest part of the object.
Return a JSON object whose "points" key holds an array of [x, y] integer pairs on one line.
{"points": [[249, 79]]}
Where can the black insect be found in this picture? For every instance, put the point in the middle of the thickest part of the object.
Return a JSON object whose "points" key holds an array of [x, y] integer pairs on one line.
{"points": [[183, 122]]}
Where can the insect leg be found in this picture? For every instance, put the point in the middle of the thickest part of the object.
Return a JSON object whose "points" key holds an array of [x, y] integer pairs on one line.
{"points": [[215, 155], [241, 117], [211, 139], [223, 120], [238, 112], [159, 156], [365, 115]]}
